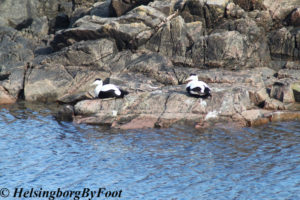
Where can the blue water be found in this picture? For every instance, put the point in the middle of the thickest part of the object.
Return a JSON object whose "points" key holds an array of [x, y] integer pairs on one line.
{"points": [[178, 163]]}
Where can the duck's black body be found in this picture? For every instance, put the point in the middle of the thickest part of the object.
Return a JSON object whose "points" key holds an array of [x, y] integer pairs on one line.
{"points": [[108, 90], [112, 94], [196, 92], [196, 88]]}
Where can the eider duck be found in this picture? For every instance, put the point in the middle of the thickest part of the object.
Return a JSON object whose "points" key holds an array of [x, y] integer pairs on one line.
{"points": [[108, 90], [197, 88]]}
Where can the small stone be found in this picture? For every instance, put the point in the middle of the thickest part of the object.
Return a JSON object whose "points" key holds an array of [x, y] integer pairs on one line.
{"points": [[273, 104], [258, 97]]}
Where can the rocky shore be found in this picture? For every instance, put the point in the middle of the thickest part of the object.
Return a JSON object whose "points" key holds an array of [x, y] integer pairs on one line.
{"points": [[248, 51]]}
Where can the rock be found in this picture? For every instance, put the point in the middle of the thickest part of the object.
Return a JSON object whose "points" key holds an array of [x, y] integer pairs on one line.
{"points": [[16, 52], [140, 122], [279, 9], [134, 82], [53, 77], [246, 50], [292, 65], [47, 83], [55, 7], [260, 121], [14, 48], [175, 39], [75, 97], [194, 31], [262, 19], [208, 12], [13, 12], [175, 107], [250, 5], [273, 104], [282, 44], [282, 91], [119, 7], [226, 49], [255, 45], [39, 27], [277, 91], [293, 74], [101, 9], [60, 22], [255, 117], [65, 113], [5, 98], [84, 3], [84, 53], [234, 11], [129, 31], [259, 97], [14, 15], [15, 83], [293, 19], [284, 116], [171, 40], [260, 117], [296, 91], [155, 66], [168, 6]]}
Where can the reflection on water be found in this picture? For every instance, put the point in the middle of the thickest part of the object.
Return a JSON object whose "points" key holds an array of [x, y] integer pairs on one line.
{"points": [[176, 163]]}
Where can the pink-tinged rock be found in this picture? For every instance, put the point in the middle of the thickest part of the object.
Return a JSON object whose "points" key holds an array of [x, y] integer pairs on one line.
{"points": [[274, 104], [98, 119], [259, 96], [141, 122], [255, 117], [285, 116], [279, 9], [260, 121], [6, 98], [251, 115]]}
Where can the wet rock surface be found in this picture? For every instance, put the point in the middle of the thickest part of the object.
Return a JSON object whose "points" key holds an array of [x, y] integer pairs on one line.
{"points": [[247, 51]]}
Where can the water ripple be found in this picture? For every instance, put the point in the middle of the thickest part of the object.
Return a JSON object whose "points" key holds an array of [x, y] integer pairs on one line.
{"points": [[176, 163]]}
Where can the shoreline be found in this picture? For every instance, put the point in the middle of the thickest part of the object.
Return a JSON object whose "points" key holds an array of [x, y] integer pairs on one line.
{"points": [[247, 52]]}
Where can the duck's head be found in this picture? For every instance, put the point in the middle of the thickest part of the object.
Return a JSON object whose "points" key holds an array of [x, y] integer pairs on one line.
{"points": [[97, 81], [193, 77]]}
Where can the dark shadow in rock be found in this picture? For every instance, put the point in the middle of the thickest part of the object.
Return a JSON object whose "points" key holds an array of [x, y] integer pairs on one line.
{"points": [[262, 104], [293, 19], [121, 7], [24, 24], [21, 95], [4, 76], [106, 81], [43, 51], [296, 96], [102, 10], [61, 21], [268, 91]]}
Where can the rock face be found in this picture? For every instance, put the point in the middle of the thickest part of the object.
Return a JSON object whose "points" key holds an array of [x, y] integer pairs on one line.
{"points": [[246, 50], [119, 7]]}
